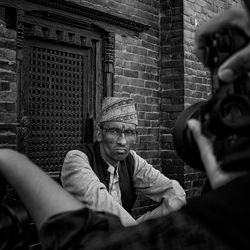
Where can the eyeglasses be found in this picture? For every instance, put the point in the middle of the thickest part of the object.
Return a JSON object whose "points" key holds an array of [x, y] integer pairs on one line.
{"points": [[116, 133]]}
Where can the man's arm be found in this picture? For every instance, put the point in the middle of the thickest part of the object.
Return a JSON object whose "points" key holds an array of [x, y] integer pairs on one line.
{"points": [[41, 195], [152, 183], [80, 180]]}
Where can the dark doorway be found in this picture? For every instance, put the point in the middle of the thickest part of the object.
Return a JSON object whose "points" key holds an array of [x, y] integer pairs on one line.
{"points": [[56, 100]]}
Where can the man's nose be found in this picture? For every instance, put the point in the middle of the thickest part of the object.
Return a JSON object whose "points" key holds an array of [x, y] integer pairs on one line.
{"points": [[122, 139]]}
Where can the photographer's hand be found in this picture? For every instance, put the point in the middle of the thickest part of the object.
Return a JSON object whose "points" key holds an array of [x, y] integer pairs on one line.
{"points": [[216, 176], [239, 62]]}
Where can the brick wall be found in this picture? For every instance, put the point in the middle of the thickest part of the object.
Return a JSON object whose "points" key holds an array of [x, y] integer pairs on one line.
{"points": [[8, 87], [172, 75]]}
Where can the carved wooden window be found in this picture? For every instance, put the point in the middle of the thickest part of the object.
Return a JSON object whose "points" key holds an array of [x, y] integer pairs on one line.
{"points": [[57, 91]]}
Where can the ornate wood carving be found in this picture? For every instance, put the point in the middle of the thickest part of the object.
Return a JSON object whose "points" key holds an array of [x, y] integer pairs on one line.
{"points": [[20, 29], [55, 103], [109, 48], [57, 35], [109, 63], [94, 14]]}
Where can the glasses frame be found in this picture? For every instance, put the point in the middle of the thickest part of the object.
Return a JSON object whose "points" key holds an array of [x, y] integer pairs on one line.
{"points": [[117, 132]]}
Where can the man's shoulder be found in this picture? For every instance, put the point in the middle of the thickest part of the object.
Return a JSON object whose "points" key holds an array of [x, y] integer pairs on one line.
{"points": [[133, 154], [86, 146], [138, 159], [88, 149], [75, 153]]}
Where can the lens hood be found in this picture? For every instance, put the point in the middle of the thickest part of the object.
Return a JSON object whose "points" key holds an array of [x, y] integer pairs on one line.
{"points": [[184, 142]]}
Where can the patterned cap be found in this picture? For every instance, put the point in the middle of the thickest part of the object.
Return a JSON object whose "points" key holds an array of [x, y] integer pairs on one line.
{"points": [[119, 109]]}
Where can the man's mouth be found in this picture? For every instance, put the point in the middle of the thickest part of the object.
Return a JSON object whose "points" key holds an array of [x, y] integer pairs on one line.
{"points": [[121, 150]]}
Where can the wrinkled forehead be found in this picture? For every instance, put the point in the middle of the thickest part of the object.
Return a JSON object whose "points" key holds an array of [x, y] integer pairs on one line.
{"points": [[120, 125]]}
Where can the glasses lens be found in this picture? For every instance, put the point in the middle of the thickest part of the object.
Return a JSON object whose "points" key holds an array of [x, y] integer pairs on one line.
{"points": [[116, 133], [130, 134]]}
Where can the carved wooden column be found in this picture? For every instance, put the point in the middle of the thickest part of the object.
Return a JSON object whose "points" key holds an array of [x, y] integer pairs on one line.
{"points": [[23, 120], [2, 16], [109, 64]]}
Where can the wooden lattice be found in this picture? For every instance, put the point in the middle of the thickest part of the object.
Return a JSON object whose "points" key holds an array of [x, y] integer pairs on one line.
{"points": [[55, 105]]}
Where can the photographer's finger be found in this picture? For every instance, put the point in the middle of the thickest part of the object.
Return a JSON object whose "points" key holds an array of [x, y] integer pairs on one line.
{"points": [[195, 126], [237, 65], [204, 145], [215, 175]]}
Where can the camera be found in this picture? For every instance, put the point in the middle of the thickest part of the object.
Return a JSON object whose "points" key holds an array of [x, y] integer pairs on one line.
{"points": [[225, 116], [15, 223]]}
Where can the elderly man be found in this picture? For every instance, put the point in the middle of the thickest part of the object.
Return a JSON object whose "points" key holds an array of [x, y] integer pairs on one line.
{"points": [[107, 174]]}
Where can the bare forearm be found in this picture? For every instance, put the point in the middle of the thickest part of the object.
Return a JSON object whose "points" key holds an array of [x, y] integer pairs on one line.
{"points": [[156, 186], [39, 193]]}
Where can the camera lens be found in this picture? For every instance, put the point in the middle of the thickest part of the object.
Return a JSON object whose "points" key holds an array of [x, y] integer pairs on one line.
{"points": [[230, 114], [185, 144], [13, 220]]}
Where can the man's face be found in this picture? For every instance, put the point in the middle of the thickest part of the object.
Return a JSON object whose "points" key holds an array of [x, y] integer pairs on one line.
{"points": [[116, 139]]}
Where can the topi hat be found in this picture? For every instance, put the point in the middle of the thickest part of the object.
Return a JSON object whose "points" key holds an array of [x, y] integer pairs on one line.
{"points": [[119, 109]]}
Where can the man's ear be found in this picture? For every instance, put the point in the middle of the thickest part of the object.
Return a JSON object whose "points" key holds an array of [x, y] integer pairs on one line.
{"points": [[99, 135]]}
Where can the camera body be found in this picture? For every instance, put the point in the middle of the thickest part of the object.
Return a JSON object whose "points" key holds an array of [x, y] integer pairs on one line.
{"points": [[225, 116], [17, 231]]}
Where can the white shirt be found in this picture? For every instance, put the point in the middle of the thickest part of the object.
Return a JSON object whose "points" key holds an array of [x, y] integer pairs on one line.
{"points": [[78, 178], [114, 187]]}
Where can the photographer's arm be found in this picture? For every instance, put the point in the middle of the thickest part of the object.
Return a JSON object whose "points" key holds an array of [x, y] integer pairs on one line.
{"points": [[41, 195], [239, 62]]}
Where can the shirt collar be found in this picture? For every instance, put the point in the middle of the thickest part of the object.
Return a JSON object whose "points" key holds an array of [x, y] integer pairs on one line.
{"points": [[112, 169]]}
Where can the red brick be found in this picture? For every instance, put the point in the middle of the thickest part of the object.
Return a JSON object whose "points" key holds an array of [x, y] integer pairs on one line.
{"points": [[8, 96], [4, 86], [7, 65], [8, 54], [152, 100], [130, 73], [7, 33], [8, 117], [152, 116], [7, 107], [8, 43], [7, 138], [7, 75]]}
